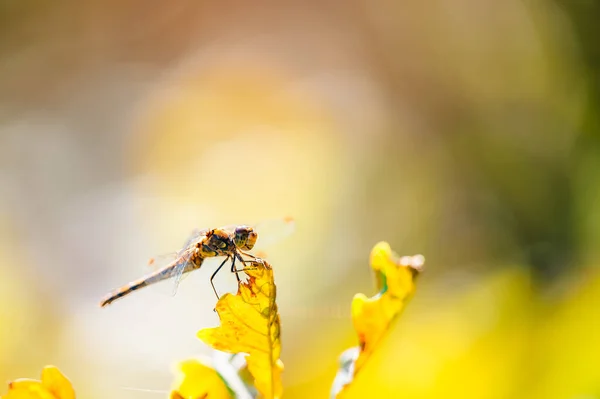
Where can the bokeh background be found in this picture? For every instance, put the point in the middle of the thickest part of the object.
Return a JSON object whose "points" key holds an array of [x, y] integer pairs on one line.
{"points": [[463, 130]]}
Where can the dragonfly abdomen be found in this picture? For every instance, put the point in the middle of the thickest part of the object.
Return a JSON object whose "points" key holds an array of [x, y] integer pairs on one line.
{"points": [[159, 275]]}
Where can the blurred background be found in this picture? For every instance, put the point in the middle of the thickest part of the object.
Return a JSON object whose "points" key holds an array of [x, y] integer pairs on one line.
{"points": [[463, 130]]}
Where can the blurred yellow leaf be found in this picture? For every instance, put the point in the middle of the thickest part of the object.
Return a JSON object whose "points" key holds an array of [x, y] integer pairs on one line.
{"points": [[372, 316], [53, 385], [569, 334], [197, 380], [250, 324]]}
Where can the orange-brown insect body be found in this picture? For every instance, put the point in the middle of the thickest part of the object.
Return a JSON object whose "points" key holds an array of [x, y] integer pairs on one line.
{"points": [[217, 242], [211, 243]]}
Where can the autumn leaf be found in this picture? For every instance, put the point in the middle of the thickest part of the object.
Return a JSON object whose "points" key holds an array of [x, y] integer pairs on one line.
{"points": [[250, 324], [198, 380], [53, 385], [373, 316]]}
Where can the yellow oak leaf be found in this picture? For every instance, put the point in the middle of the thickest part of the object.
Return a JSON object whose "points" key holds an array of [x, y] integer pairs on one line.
{"points": [[197, 380], [53, 385], [373, 316], [250, 324]]}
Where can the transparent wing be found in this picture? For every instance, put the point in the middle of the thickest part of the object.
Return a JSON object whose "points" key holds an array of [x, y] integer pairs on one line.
{"points": [[179, 275], [157, 263], [195, 236], [270, 232], [273, 231], [162, 261]]}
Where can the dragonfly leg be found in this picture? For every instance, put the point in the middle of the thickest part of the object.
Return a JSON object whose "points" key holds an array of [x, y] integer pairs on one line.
{"points": [[215, 273], [233, 268], [244, 261], [245, 269], [254, 258], [249, 255]]}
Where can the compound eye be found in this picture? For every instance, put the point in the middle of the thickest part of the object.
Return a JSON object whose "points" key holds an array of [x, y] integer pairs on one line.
{"points": [[241, 235], [252, 237], [241, 231]]}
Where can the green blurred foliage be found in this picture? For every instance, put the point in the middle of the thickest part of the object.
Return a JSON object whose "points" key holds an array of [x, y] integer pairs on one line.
{"points": [[466, 131]]}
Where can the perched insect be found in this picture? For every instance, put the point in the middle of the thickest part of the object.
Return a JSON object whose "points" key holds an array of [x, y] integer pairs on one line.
{"points": [[231, 242]]}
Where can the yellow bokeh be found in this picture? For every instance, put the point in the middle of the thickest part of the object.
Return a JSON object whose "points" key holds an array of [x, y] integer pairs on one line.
{"points": [[466, 131], [53, 385], [198, 380]]}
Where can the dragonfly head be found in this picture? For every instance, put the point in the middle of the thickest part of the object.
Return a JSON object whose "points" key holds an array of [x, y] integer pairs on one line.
{"points": [[245, 237]]}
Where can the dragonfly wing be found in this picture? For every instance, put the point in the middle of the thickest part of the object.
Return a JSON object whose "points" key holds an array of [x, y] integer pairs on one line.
{"points": [[182, 271], [160, 262], [272, 231], [195, 236], [184, 256], [178, 277]]}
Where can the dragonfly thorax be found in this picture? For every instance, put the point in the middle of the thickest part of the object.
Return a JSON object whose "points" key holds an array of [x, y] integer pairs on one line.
{"points": [[245, 237], [216, 243]]}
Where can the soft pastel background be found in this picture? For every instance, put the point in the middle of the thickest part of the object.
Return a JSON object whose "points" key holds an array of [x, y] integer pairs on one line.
{"points": [[464, 130]]}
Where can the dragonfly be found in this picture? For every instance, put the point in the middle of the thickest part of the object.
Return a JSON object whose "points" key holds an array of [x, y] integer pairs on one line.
{"points": [[230, 242]]}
